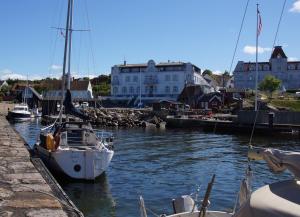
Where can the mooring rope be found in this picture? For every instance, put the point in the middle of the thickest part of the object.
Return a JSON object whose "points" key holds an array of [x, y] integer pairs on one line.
{"points": [[279, 22], [239, 35]]}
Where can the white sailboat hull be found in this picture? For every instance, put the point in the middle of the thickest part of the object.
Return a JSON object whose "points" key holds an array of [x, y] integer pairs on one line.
{"points": [[84, 164]]}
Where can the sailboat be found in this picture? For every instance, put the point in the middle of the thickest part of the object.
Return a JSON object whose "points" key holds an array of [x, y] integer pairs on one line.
{"points": [[74, 148]]}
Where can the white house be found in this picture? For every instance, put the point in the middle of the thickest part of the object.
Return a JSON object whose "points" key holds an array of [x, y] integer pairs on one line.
{"points": [[81, 90], [3, 84], [157, 80], [278, 66]]}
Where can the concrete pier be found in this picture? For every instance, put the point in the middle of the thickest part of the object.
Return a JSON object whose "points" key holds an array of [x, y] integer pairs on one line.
{"points": [[23, 189]]}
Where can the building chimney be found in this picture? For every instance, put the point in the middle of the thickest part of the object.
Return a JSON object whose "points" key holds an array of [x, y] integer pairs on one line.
{"points": [[124, 62]]}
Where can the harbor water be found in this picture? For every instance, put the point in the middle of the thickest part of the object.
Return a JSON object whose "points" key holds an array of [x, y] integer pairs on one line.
{"points": [[163, 164]]}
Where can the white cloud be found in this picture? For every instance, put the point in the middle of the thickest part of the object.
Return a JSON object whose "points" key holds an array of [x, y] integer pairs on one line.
{"points": [[296, 7], [252, 49], [35, 77], [81, 75], [293, 59], [55, 67], [218, 72], [7, 73]]}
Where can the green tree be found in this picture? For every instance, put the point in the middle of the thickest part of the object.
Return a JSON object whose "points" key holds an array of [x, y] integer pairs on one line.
{"points": [[5, 89], [207, 72], [270, 84], [226, 73]]}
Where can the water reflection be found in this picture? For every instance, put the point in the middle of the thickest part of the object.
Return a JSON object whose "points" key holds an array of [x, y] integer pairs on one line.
{"points": [[92, 198]]}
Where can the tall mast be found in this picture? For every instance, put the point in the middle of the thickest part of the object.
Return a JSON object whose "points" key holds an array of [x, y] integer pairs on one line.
{"points": [[70, 46], [65, 60], [256, 66]]}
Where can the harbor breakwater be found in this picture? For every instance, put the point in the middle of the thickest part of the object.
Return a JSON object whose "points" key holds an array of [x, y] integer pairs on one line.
{"points": [[26, 186], [123, 117], [119, 117]]}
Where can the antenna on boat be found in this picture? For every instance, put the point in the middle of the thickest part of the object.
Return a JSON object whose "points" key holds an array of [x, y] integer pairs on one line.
{"points": [[205, 201]]}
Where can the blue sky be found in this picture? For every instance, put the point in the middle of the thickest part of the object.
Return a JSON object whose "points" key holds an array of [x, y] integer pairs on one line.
{"points": [[197, 31]]}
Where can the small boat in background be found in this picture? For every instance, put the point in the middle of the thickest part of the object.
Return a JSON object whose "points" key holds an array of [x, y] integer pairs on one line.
{"points": [[20, 111], [36, 113]]}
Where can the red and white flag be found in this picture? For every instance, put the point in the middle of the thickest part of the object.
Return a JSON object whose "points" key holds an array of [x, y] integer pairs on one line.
{"points": [[259, 23]]}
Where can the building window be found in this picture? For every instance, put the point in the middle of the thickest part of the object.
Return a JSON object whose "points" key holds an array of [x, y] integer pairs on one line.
{"points": [[167, 89], [266, 67], [167, 77], [146, 89], [124, 90], [115, 90], [115, 78], [135, 79], [127, 78], [131, 90], [175, 89], [175, 77], [135, 69], [259, 67], [125, 70], [138, 90]]}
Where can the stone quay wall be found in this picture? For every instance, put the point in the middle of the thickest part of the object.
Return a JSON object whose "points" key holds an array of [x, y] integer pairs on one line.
{"points": [[23, 190]]}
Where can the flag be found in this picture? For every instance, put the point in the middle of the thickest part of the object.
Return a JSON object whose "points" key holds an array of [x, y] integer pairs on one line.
{"points": [[259, 23], [62, 34]]}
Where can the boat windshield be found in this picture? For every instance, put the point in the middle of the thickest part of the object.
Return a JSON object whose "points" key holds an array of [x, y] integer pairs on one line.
{"points": [[79, 137], [20, 109]]}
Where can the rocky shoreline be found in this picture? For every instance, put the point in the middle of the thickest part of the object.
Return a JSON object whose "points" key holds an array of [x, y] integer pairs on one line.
{"points": [[118, 117], [124, 117]]}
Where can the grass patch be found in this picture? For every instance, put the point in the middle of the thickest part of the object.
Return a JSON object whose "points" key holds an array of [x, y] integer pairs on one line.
{"points": [[293, 105]]}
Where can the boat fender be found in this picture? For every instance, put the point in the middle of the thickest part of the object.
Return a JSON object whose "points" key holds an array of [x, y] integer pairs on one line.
{"points": [[50, 142]]}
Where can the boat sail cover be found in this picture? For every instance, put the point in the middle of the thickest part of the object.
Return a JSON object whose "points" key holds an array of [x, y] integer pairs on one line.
{"points": [[278, 199], [70, 109], [280, 160]]}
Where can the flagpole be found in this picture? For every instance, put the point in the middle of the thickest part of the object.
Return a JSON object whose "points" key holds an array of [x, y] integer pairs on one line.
{"points": [[256, 75]]}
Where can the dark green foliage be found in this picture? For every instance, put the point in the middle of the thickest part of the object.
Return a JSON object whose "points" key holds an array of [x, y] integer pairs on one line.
{"points": [[270, 84], [226, 73], [207, 72], [102, 89]]}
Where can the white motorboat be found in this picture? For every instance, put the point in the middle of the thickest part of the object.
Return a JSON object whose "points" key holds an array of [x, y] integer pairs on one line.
{"points": [[20, 111], [73, 148]]}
